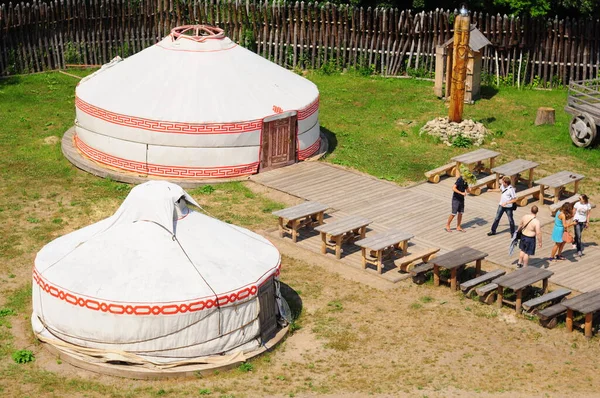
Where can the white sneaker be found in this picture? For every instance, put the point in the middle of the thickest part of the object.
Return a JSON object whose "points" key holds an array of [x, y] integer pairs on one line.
{"points": [[573, 246]]}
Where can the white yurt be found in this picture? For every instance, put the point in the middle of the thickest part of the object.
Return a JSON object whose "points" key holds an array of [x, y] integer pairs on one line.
{"points": [[158, 285], [196, 105]]}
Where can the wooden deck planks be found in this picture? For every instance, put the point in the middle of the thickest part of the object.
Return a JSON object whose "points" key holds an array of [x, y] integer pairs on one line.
{"points": [[422, 210]]}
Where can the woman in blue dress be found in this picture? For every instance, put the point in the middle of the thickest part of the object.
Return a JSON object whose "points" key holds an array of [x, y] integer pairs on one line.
{"points": [[561, 223]]}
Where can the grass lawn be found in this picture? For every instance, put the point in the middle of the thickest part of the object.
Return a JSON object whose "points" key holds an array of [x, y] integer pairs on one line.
{"points": [[352, 338]]}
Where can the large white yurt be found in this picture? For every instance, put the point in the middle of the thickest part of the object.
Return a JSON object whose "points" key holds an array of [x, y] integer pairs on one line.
{"points": [[157, 284], [196, 105]]}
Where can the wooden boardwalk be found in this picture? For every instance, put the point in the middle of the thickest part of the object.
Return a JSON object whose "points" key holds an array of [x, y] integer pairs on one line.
{"points": [[422, 210]]}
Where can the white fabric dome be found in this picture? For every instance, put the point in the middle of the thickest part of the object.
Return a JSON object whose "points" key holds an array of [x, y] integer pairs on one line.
{"points": [[164, 290], [191, 106]]}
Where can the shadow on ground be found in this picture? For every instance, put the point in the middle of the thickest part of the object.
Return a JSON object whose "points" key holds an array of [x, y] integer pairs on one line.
{"points": [[331, 139]]}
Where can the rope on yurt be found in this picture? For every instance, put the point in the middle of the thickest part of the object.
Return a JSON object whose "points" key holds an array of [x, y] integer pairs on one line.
{"points": [[174, 237]]}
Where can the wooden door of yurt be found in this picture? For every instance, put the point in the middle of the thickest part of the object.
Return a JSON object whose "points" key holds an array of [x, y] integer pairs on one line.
{"points": [[279, 137], [267, 315]]}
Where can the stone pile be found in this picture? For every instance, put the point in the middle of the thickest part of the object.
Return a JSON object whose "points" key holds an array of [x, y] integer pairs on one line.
{"points": [[448, 131]]}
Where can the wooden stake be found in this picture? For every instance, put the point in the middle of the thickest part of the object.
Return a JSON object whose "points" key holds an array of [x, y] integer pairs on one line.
{"points": [[460, 56]]}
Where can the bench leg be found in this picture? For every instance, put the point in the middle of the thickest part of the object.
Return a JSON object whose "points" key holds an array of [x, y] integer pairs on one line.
{"points": [[576, 187], [364, 257], [323, 243], [436, 275], [530, 182], [569, 319], [379, 261], [363, 232], [453, 279], [588, 325], [477, 268], [519, 299], [492, 160], [556, 194], [294, 230], [280, 227], [545, 286], [320, 218], [500, 297], [497, 184], [541, 198], [338, 247]]}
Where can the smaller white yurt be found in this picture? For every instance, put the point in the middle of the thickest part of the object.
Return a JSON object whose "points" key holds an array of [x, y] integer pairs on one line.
{"points": [[196, 105], [157, 285]]}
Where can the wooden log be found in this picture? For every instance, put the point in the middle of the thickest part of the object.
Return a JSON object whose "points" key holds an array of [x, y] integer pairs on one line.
{"points": [[545, 115], [459, 68]]}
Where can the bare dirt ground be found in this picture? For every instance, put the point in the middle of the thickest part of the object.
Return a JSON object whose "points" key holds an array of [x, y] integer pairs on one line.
{"points": [[357, 335]]}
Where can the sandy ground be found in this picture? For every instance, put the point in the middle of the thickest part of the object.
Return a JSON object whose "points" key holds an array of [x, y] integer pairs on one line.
{"points": [[359, 335]]}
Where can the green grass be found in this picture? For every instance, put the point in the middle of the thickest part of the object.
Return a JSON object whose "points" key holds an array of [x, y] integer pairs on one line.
{"points": [[375, 122]]}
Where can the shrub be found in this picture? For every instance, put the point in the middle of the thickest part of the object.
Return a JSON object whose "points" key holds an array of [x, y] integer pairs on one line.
{"points": [[23, 356]]}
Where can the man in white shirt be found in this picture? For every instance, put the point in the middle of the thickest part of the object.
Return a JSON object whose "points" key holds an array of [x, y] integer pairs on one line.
{"points": [[509, 196]]}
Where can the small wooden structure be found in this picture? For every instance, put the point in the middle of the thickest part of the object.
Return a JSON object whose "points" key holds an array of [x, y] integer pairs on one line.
{"points": [[443, 66]]}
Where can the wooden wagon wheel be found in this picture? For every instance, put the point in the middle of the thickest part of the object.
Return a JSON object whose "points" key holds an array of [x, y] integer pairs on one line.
{"points": [[583, 130]]}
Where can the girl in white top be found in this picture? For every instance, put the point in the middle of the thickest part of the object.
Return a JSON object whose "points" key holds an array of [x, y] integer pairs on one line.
{"points": [[582, 210]]}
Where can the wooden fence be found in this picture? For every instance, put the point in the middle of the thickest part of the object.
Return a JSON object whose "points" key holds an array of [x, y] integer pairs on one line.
{"points": [[41, 36]]}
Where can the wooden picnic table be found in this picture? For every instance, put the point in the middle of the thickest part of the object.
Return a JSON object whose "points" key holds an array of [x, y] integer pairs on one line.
{"points": [[558, 181], [341, 231], [384, 245], [302, 215], [476, 157], [587, 304], [513, 169], [518, 280], [453, 261]]}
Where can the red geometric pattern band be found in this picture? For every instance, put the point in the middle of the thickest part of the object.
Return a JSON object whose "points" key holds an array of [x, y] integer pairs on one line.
{"points": [[120, 308], [309, 110], [181, 128], [308, 152], [164, 171]]}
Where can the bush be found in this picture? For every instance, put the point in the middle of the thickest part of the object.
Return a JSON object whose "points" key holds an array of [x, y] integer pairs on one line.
{"points": [[23, 356]]}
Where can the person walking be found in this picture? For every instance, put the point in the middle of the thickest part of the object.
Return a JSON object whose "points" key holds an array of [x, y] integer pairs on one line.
{"points": [[561, 223], [508, 197], [459, 191], [581, 218], [531, 231]]}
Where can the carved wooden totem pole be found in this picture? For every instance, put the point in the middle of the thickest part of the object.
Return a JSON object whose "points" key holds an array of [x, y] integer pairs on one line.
{"points": [[462, 28]]}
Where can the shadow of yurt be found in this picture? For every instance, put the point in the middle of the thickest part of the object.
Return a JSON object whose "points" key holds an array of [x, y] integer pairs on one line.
{"points": [[158, 290]]}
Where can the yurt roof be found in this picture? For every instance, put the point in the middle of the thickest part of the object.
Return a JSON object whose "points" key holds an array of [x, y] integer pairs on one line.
{"points": [[141, 254], [199, 78]]}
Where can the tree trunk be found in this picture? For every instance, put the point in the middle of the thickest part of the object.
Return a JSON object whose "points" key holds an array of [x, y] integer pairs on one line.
{"points": [[544, 116]]}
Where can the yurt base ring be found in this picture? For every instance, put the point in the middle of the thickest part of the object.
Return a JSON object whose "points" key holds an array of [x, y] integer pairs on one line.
{"points": [[151, 373], [78, 160]]}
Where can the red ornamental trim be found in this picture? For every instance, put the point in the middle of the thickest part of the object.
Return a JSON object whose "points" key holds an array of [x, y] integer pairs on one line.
{"points": [[164, 171], [182, 128], [308, 152], [309, 110], [146, 309], [165, 126]]}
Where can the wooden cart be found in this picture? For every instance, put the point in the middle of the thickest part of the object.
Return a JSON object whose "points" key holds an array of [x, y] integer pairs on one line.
{"points": [[584, 104]]}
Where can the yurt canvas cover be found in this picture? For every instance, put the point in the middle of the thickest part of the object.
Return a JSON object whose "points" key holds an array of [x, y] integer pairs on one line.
{"points": [[196, 105], [144, 285]]}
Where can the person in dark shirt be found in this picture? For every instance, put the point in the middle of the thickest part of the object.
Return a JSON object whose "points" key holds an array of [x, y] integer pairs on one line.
{"points": [[459, 191]]}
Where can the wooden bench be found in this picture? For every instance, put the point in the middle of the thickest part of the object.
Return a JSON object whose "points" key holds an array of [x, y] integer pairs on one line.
{"points": [[571, 199], [549, 316], [407, 263], [381, 246], [419, 272], [489, 182], [523, 196], [434, 175], [487, 292], [299, 216], [485, 278], [552, 297], [340, 231]]}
